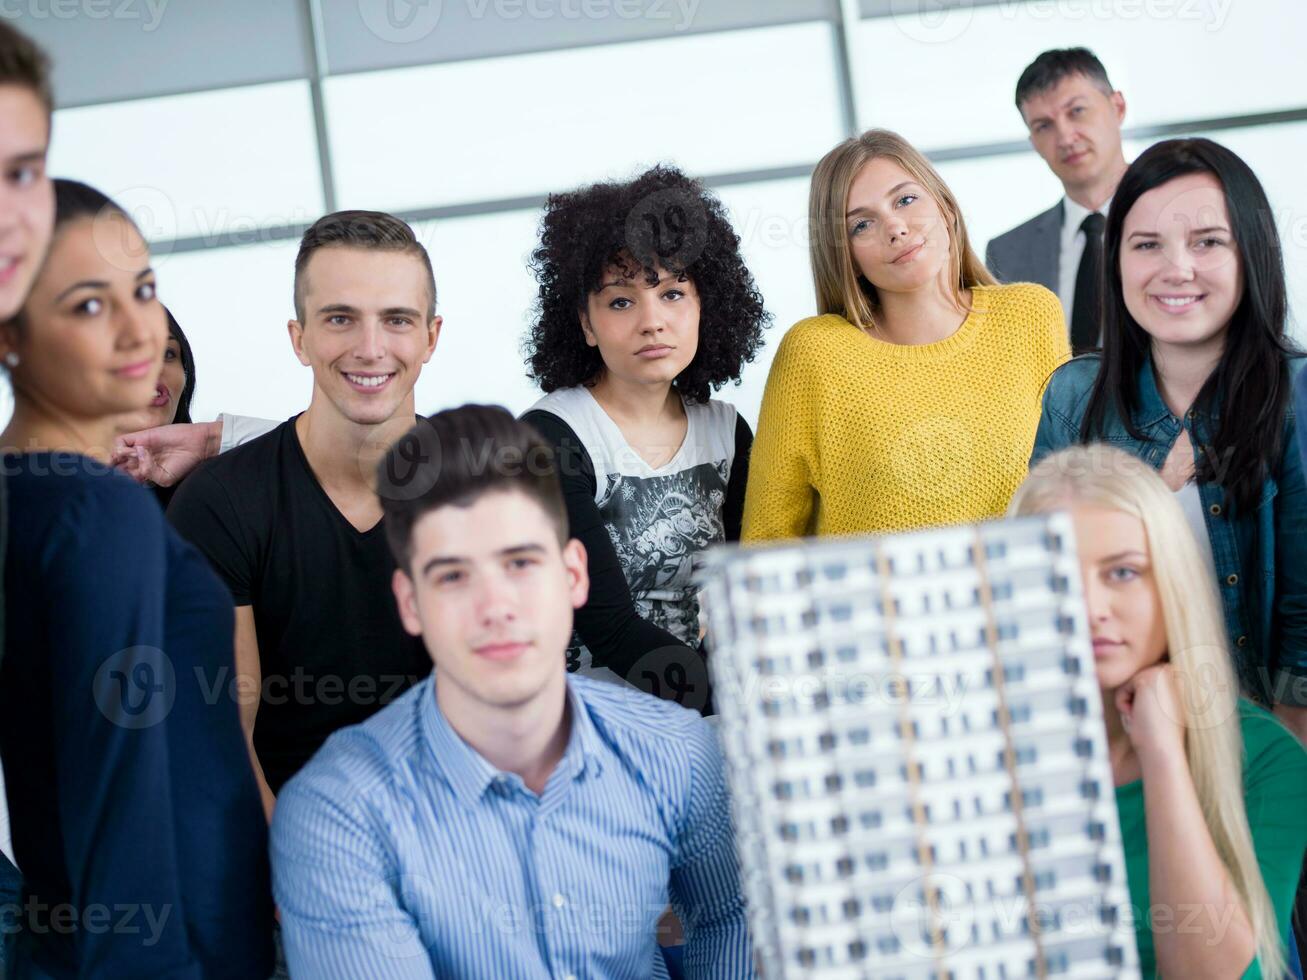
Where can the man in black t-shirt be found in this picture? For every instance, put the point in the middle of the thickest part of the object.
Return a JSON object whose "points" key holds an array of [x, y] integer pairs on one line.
{"points": [[292, 521]]}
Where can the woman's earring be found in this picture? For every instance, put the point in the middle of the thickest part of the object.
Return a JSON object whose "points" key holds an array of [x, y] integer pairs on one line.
{"points": [[12, 359]]}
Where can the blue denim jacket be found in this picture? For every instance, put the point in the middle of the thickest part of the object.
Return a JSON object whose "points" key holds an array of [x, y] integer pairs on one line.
{"points": [[1261, 557]]}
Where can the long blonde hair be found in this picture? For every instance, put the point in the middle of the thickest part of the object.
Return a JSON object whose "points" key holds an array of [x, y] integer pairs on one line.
{"points": [[1196, 644], [841, 287]]}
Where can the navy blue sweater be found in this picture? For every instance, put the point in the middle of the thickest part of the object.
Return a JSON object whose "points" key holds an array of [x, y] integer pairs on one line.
{"points": [[136, 820]]}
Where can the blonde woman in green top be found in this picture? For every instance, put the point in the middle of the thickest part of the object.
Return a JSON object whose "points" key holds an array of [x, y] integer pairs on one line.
{"points": [[1211, 790]]}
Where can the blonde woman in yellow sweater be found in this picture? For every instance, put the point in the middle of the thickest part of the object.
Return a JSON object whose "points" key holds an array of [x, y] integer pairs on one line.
{"points": [[913, 399]]}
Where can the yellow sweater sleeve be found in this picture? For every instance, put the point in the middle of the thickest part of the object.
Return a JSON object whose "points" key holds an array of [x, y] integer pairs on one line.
{"points": [[1054, 324], [782, 492]]}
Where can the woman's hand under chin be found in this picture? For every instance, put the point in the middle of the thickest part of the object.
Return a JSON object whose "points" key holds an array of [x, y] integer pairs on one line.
{"points": [[1152, 713]]}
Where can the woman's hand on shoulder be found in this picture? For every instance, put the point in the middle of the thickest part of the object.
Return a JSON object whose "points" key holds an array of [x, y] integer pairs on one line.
{"points": [[1152, 712]]}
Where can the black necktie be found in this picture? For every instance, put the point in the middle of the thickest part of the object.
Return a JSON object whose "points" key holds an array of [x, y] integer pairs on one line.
{"points": [[1085, 303]]}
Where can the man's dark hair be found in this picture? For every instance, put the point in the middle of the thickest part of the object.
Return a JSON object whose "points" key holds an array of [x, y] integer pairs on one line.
{"points": [[454, 458], [1051, 67], [23, 63], [360, 229]]}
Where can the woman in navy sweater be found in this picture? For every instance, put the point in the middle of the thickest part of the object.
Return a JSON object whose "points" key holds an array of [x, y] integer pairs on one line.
{"points": [[136, 822]]}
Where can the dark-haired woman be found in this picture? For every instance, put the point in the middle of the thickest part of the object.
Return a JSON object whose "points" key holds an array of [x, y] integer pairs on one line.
{"points": [[127, 776], [171, 402], [176, 387], [174, 392], [1195, 378], [645, 308]]}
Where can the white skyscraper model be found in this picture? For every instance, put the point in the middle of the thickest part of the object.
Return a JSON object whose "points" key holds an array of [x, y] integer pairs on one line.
{"points": [[918, 758]]}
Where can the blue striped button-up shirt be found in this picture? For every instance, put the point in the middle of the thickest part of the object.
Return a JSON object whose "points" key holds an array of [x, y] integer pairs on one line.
{"points": [[399, 852]]}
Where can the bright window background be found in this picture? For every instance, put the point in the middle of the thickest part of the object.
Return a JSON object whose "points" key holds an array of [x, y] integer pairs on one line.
{"points": [[225, 162], [451, 145], [485, 294], [234, 304], [530, 124], [946, 78]]}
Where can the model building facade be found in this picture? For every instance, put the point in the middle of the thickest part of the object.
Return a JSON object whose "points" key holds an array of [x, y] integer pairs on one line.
{"points": [[918, 757]]}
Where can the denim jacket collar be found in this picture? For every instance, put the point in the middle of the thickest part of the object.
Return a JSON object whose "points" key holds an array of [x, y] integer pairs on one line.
{"points": [[1152, 409]]}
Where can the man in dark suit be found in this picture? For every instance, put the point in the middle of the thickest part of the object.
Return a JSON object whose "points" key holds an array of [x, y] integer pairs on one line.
{"points": [[1074, 117]]}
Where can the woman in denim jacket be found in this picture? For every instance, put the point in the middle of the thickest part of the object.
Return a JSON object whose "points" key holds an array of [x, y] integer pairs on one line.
{"points": [[1196, 378]]}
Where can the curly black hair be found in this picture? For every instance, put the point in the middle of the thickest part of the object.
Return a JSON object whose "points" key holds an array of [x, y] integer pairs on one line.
{"points": [[661, 218]]}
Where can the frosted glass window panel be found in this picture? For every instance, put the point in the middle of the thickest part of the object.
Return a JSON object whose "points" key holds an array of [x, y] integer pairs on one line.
{"points": [[108, 50], [771, 219], [485, 294], [233, 304], [364, 35], [998, 193], [503, 128], [945, 77], [227, 162]]}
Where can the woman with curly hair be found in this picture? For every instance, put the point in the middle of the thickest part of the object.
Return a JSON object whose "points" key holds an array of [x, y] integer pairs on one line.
{"points": [[912, 399], [645, 308]]}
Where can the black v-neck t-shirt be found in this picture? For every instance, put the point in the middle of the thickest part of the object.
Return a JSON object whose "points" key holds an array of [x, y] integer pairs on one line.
{"points": [[331, 645]]}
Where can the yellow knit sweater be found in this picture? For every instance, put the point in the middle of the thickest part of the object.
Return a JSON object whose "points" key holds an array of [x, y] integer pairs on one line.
{"points": [[858, 435]]}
